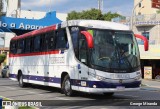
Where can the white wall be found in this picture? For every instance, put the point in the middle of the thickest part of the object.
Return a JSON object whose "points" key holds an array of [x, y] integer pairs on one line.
{"points": [[12, 7], [8, 37], [38, 15], [62, 16], [146, 7], [31, 14]]}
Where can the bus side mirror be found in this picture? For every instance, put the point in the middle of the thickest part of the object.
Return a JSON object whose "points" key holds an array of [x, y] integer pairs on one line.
{"points": [[89, 38], [144, 39]]}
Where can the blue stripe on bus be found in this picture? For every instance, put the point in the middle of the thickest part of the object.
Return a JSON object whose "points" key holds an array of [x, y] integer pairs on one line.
{"points": [[38, 78], [75, 82]]}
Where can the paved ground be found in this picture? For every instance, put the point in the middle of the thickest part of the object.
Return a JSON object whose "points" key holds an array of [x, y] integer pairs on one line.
{"points": [[152, 83], [10, 89]]}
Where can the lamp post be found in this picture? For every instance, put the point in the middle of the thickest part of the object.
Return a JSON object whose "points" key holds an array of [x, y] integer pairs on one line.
{"points": [[131, 25]]}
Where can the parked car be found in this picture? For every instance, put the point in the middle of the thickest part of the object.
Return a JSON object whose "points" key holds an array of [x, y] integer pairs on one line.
{"points": [[5, 71]]}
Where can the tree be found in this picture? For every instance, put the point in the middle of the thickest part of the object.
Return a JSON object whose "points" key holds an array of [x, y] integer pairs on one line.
{"points": [[2, 58], [109, 16], [73, 15], [93, 14], [158, 12]]}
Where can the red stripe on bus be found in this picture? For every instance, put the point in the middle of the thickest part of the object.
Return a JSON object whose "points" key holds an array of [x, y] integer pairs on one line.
{"points": [[35, 54], [36, 32]]}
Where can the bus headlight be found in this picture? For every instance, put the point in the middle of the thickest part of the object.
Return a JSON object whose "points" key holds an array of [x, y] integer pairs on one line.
{"points": [[138, 77], [101, 78]]}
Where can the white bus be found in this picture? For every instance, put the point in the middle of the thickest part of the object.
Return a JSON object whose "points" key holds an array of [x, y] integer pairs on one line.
{"points": [[78, 55]]}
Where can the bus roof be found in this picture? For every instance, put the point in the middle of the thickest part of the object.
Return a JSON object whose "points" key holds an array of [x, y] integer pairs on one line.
{"points": [[96, 24], [83, 23]]}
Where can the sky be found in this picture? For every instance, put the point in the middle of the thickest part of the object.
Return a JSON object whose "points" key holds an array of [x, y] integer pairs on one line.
{"points": [[123, 7]]}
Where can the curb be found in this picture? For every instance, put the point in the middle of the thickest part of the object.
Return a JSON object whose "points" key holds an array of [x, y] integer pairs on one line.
{"points": [[151, 80], [150, 88]]}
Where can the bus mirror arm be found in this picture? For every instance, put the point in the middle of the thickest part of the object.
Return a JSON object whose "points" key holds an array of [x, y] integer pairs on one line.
{"points": [[144, 39], [89, 39]]}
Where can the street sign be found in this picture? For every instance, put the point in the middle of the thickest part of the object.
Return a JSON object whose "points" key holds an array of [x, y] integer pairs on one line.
{"points": [[156, 4]]}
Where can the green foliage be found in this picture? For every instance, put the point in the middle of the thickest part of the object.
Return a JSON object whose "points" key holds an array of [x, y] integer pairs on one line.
{"points": [[110, 15], [2, 58], [88, 14], [158, 12], [93, 14]]}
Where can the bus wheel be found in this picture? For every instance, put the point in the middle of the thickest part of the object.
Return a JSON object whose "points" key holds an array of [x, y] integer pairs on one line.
{"points": [[109, 94], [66, 86], [20, 80]]}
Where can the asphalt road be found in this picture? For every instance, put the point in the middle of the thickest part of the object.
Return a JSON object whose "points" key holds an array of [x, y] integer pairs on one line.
{"points": [[11, 90]]}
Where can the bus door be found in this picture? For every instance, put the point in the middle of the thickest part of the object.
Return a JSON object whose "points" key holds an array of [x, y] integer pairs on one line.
{"points": [[83, 58]]}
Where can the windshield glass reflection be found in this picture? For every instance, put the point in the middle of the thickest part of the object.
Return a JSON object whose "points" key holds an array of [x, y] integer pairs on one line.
{"points": [[114, 50]]}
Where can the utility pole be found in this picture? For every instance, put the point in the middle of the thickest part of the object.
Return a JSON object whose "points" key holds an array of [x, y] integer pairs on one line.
{"points": [[100, 5]]}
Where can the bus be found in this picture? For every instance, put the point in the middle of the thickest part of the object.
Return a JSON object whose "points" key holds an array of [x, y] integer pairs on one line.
{"points": [[90, 56]]}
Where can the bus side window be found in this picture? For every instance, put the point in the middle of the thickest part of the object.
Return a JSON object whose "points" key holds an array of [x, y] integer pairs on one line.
{"points": [[51, 41], [28, 45], [20, 48], [37, 43], [13, 48], [45, 42], [61, 39]]}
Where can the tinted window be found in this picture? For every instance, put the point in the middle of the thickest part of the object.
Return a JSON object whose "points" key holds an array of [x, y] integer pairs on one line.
{"points": [[51, 40], [48, 41], [20, 46], [37, 43], [61, 39], [28, 45], [13, 48], [83, 50], [74, 31]]}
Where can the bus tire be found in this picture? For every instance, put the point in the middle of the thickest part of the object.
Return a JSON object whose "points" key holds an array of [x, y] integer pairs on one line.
{"points": [[20, 80], [109, 94], [66, 86]]}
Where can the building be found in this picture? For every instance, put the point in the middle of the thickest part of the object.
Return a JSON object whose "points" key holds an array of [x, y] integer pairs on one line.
{"points": [[16, 21], [146, 21], [145, 7]]}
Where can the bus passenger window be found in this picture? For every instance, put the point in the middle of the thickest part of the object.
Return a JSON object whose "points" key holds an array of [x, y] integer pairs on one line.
{"points": [[61, 40], [28, 45], [51, 40], [20, 47], [13, 48], [37, 43], [44, 42]]}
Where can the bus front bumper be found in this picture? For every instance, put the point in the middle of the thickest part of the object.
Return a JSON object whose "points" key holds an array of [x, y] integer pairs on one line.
{"points": [[104, 90]]}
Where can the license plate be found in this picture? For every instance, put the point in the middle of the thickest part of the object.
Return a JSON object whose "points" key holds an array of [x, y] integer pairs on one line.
{"points": [[120, 76], [120, 87]]}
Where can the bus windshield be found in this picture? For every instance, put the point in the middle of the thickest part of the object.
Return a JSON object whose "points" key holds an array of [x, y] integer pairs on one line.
{"points": [[115, 51]]}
